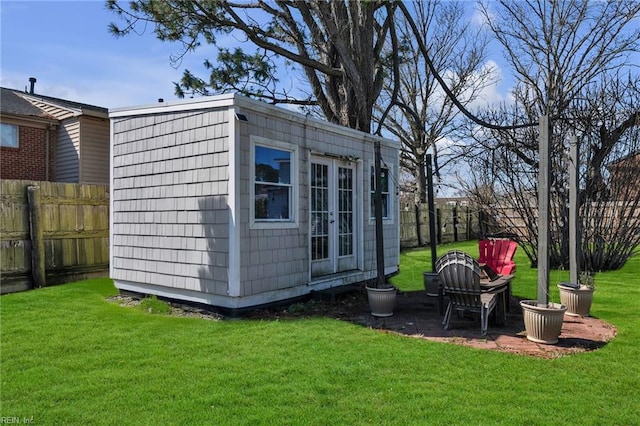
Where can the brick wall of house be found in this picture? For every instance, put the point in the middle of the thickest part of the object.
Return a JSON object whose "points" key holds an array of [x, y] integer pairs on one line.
{"points": [[28, 161]]}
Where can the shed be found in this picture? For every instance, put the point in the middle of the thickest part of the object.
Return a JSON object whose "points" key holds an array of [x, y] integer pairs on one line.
{"points": [[230, 202]]}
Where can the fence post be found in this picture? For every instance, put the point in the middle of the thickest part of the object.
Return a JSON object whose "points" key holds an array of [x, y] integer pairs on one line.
{"points": [[417, 213], [439, 225], [455, 223], [37, 237]]}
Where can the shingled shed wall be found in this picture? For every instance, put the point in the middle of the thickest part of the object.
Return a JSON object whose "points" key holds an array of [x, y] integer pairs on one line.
{"points": [[168, 227]]}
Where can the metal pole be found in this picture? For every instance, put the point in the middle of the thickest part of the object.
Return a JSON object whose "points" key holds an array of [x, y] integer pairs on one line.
{"points": [[574, 233], [544, 175], [432, 214], [380, 282]]}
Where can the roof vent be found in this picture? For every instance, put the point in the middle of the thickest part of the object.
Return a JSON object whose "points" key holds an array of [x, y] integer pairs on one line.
{"points": [[32, 84]]}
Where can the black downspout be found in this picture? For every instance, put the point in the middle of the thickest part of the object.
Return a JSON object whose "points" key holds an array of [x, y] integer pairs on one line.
{"points": [[432, 214], [380, 282]]}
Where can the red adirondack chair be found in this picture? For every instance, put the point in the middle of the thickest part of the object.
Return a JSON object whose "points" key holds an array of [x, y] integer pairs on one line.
{"points": [[498, 254]]}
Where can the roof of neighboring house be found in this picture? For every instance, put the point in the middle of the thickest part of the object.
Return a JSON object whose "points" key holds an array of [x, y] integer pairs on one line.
{"points": [[66, 103], [630, 160], [12, 103], [627, 158], [31, 104]]}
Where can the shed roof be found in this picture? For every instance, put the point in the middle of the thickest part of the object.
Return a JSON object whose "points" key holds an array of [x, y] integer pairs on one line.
{"points": [[229, 100]]}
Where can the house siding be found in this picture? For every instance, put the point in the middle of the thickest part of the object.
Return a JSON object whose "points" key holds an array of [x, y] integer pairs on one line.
{"points": [[68, 151], [94, 133], [169, 192]]}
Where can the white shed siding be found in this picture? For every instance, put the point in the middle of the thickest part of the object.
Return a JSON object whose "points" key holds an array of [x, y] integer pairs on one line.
{"points": [[170, 189], [94, 134], [274, 259], [279, 259], [68, 151]]}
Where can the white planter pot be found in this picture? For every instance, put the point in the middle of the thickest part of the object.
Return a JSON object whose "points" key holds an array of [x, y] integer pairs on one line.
{"points": [[382, 301], [577, 300], [431, 282], [543, 323]]}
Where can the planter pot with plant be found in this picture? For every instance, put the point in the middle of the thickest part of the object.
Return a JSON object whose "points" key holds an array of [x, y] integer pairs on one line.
{"points": [[543, 319], [578, 297]]}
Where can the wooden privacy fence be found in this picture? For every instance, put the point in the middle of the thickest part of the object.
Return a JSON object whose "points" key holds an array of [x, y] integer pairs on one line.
{"points": [[453, 223], [52, 233]]}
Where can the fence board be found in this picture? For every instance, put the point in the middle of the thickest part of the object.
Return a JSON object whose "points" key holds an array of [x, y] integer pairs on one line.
{"points": [[75, 225]]}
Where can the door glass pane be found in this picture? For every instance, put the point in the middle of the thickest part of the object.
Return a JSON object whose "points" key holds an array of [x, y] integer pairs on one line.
{"points": [[345, 211], [319, 211]]}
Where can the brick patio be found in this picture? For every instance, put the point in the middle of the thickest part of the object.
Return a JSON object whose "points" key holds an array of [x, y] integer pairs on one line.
{"points": [[417, 315]]}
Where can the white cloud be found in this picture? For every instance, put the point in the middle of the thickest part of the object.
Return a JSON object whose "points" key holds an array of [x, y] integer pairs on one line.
{"points": [[478, 19], [495, 93]]}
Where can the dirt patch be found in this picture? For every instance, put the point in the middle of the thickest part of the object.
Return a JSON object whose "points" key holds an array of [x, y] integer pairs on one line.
{"points": [[176, 309]]}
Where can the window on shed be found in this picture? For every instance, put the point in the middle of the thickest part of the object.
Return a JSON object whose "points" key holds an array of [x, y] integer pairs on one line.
{"points": [[384, 178], [273, 190], [9, 135]]}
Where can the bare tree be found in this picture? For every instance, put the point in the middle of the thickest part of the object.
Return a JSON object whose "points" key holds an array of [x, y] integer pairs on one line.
{"points": [[607, 123], [424, 115], [337, 44], [568, 56], [556, 49]]}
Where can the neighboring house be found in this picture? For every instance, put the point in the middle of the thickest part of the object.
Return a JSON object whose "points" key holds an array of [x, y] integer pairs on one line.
{"points": [[27, 148], [234, 203], [80, 150], [621, 177]]}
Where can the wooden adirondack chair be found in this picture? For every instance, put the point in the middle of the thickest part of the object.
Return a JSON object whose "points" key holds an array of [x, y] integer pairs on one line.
{"points": [[460, 277], [498, 255]]}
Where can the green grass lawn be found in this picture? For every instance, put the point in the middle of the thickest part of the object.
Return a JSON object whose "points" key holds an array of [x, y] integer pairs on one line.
{"points": [[71, 357]]}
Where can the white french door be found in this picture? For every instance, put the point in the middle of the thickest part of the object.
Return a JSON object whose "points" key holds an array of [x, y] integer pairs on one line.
{"points": [[332, 194]]}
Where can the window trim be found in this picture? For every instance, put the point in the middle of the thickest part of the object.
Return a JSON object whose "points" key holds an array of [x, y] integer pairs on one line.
{"points": [[293, 221], [390, 200], [17, 133]]}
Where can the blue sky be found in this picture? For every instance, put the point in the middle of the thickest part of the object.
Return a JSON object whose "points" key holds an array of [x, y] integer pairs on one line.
{"points": [[66, 46]]}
